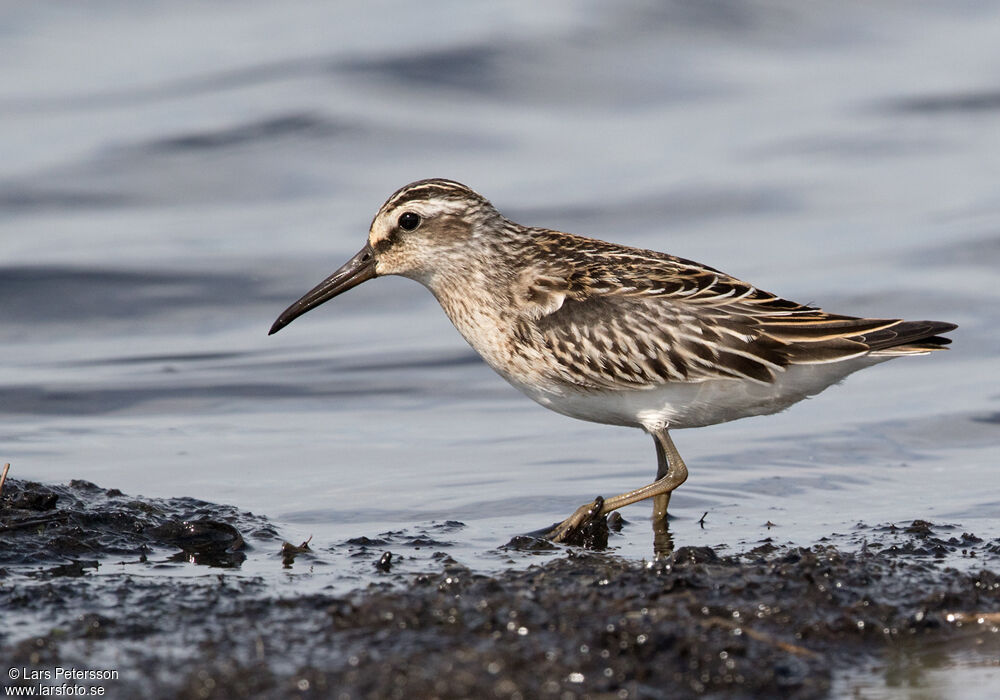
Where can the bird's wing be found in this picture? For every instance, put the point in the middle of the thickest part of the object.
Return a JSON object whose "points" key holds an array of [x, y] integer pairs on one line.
{"points": [[628, 320]]}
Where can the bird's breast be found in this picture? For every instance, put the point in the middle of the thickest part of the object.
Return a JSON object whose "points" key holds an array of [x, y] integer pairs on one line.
{"points": [[496, 331]]}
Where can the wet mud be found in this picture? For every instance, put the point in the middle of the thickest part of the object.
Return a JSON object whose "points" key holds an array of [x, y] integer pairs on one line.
{"points": [[183, 620]]}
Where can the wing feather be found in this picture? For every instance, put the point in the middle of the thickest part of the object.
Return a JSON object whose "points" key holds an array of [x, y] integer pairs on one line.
{"points": [[621, 318]]}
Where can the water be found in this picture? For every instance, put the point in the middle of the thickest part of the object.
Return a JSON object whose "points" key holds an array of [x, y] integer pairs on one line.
{"points": [[173, 175]]}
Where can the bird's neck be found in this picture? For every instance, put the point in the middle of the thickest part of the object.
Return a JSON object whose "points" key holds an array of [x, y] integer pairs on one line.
{"points": [[475, 292]]}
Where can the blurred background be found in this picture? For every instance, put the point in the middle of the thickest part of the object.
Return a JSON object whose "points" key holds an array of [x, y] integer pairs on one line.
{"points": [[174, 174]]}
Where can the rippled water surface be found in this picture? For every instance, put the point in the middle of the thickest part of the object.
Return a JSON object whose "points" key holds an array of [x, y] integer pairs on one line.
{"points": [[175, 174]]}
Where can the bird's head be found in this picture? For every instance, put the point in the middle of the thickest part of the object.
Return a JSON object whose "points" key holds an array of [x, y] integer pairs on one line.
{"points": [[422, 228]]}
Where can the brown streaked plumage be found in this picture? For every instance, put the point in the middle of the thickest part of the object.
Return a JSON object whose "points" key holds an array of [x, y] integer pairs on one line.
{"points": [[614, 334]]}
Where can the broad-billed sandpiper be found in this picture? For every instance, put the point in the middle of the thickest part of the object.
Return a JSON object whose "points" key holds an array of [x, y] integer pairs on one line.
{"points": [[613, 334]]}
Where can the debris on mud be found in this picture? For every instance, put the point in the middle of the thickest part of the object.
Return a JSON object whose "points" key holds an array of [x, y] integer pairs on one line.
{"points": [[289, 551], [774, 621]]}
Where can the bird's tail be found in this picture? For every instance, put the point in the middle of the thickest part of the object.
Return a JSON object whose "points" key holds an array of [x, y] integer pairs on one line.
{"points": [[908, 338]]}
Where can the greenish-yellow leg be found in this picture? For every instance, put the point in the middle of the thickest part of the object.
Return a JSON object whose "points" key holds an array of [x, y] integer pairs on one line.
{"points": [[671, 472]]}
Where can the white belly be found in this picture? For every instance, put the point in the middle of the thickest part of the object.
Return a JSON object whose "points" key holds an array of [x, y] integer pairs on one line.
{"points": [[695, 404]]}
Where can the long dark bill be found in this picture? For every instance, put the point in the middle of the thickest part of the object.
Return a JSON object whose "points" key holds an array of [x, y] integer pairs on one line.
{"points": [[352, 273]]}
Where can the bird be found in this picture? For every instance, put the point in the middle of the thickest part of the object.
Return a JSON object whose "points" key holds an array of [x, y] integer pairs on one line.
{"points": [[613, 334]]}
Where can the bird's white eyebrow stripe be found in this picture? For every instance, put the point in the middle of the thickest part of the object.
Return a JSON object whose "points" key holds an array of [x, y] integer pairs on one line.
{"points": [[432, 190], [427, 208]]}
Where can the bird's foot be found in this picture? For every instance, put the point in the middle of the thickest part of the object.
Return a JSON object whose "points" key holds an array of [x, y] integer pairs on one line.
{"points": [[587, 527]]}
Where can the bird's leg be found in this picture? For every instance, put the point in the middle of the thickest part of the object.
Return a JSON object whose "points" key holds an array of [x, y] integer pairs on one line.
{"points": [[671, 472], [663, 543], [668, 460]]}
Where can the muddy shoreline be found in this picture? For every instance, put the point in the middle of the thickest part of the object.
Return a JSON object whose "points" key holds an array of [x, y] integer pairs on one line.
{"points": [[766, 622]]}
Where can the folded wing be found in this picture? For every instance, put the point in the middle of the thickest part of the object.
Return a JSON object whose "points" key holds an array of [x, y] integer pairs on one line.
{"points": [[642, 322]]}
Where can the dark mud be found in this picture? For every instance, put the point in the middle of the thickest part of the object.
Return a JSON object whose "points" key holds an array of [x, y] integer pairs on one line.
{"points": [[181, 620]]}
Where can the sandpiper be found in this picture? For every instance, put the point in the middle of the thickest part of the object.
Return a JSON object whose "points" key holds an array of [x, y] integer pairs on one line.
{"points": [[613, 334]]}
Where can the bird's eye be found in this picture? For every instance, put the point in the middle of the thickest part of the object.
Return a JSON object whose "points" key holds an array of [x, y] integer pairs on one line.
{"points": [[408, 221]]}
